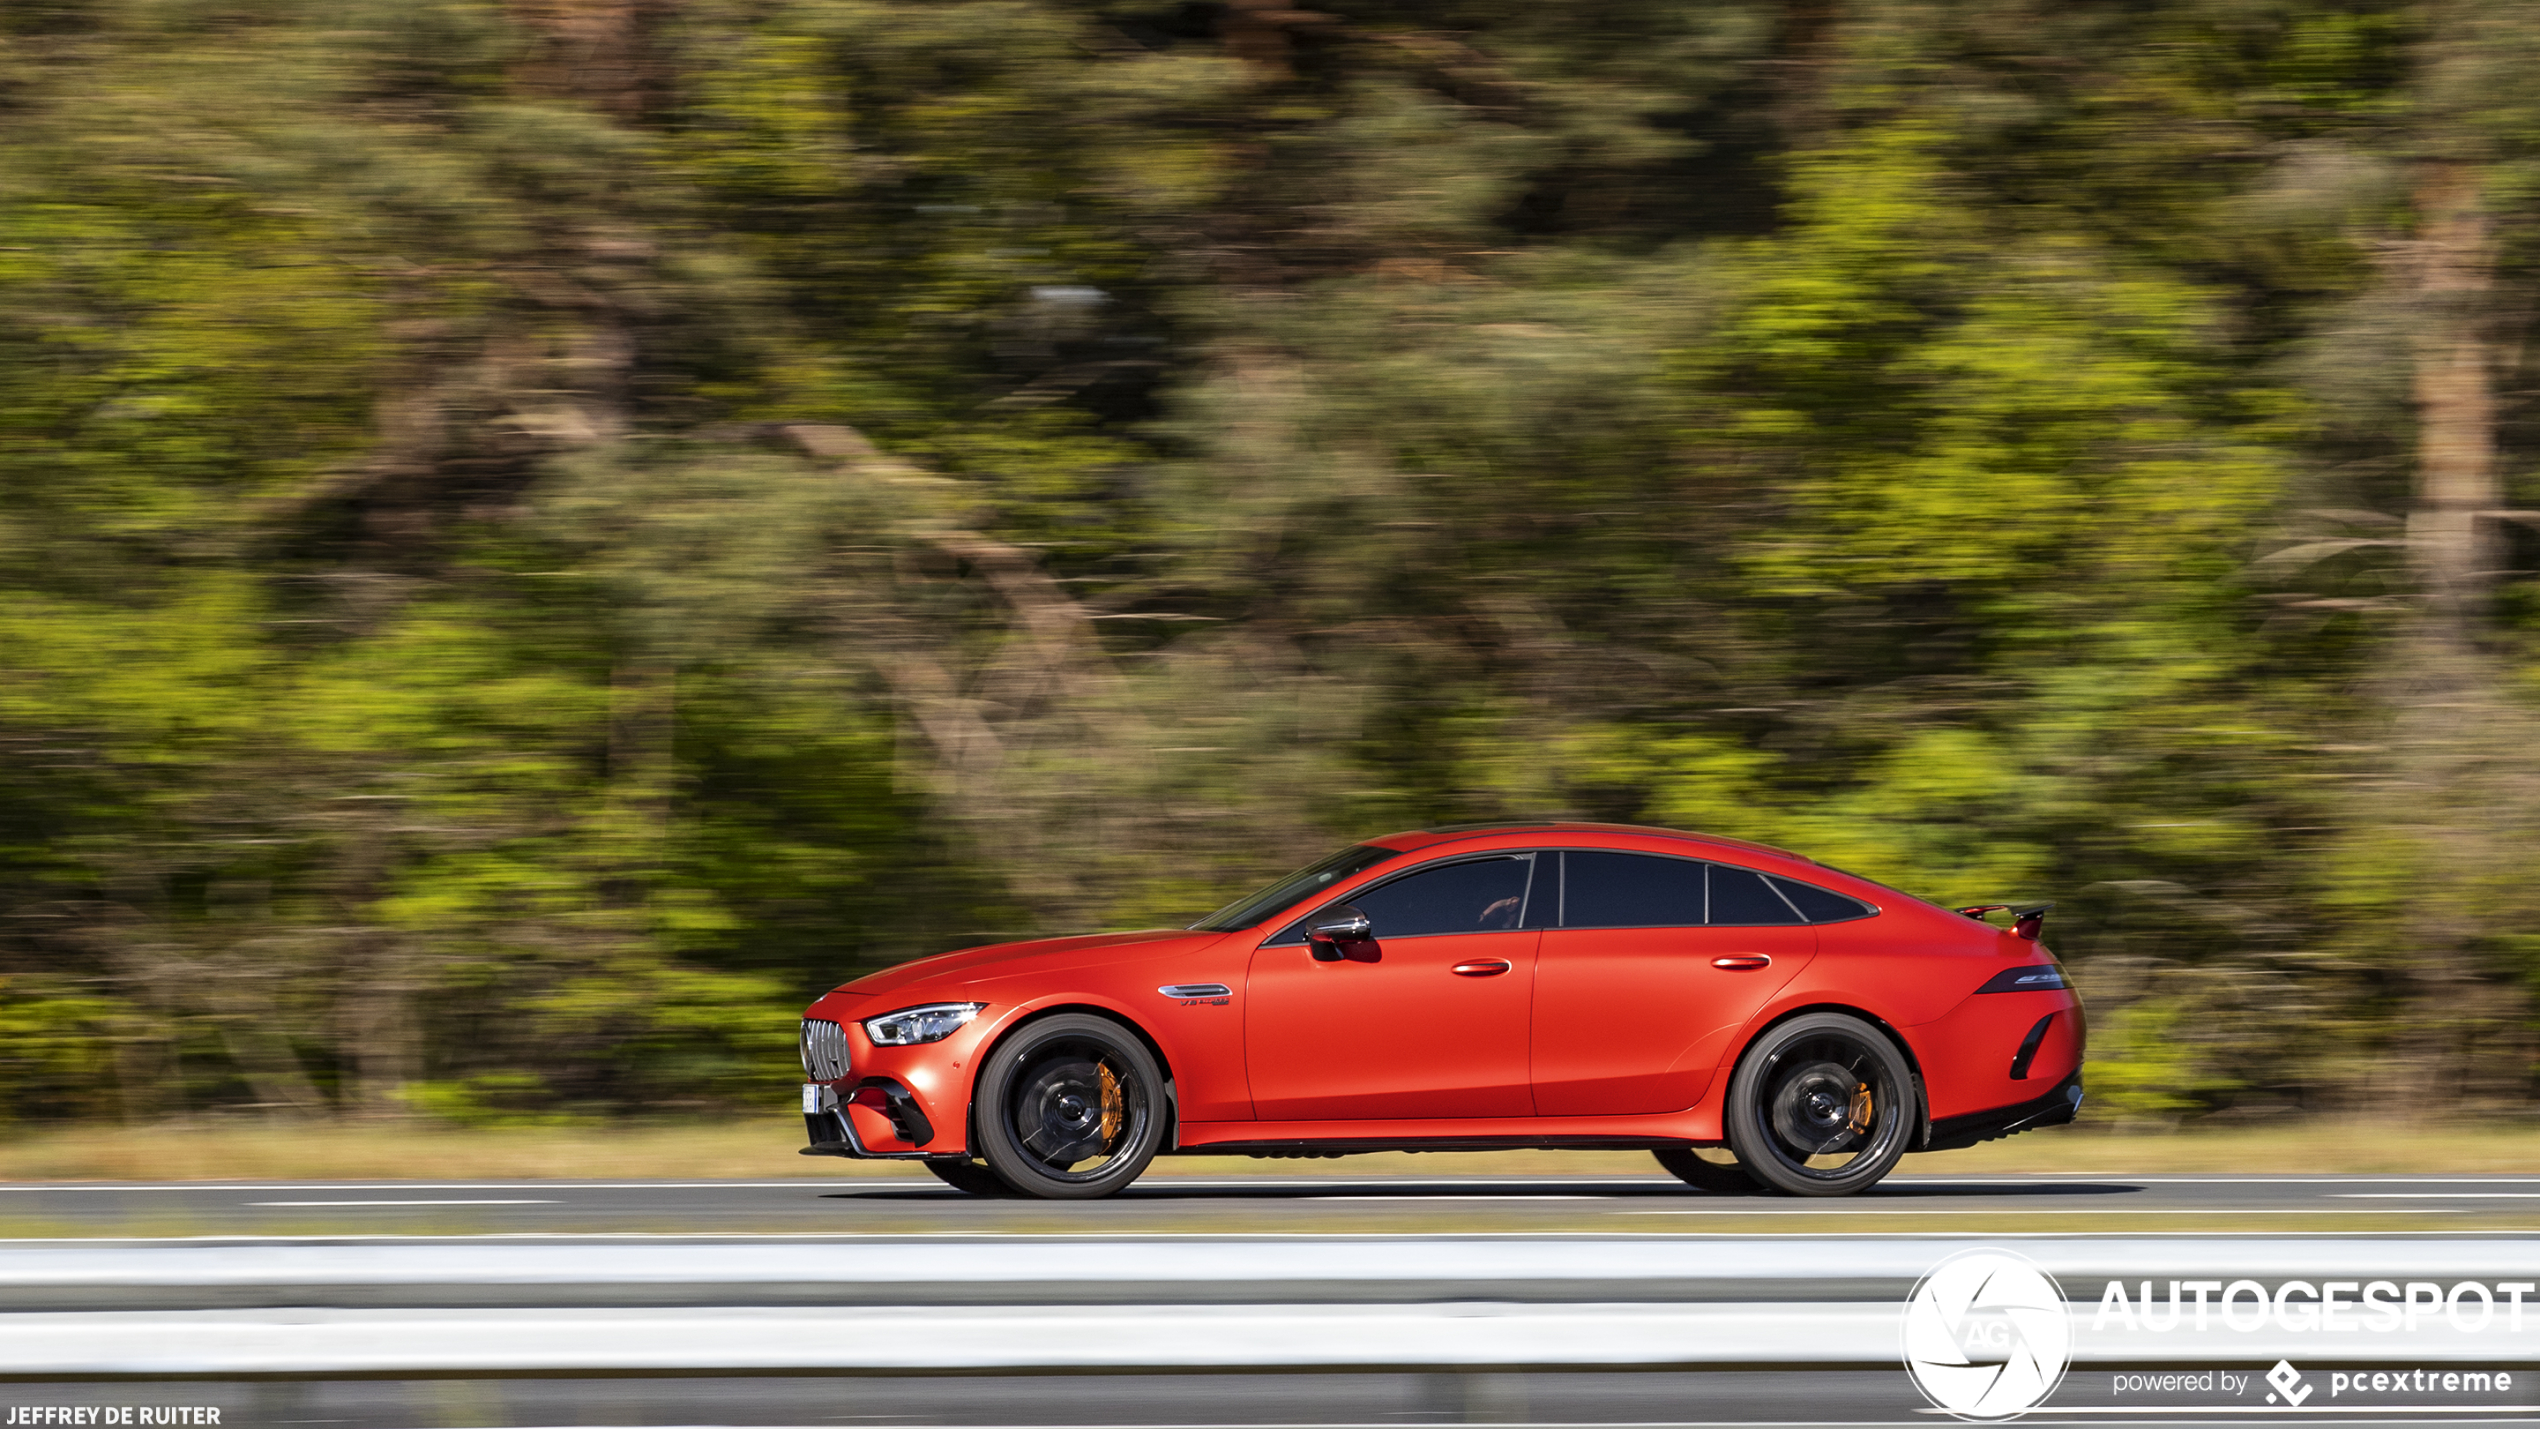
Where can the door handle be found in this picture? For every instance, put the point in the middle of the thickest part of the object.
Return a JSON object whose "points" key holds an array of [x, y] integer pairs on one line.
{"points": [[1742, 963], [1482, 967]]}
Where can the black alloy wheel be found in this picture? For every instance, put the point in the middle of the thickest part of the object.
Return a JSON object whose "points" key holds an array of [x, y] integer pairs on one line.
{"points": [[1821, 1106], [1073, 1109], [1695, 1169], [969, 1176]]}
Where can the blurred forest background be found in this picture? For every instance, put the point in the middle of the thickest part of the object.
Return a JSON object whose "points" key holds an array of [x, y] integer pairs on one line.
{"points": [[537, 534]]}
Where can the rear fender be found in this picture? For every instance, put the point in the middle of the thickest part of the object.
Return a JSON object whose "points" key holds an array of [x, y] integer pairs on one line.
{"points": [[1985, 1035], [1894, 1034]]}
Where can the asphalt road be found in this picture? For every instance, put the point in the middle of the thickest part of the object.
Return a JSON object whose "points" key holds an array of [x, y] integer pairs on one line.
{"points": [[1278, 1204]]}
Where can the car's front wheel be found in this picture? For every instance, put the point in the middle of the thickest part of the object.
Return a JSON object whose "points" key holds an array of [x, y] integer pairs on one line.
{"points": [[1821, 1105], [1072, 1107], [969, 1176]]}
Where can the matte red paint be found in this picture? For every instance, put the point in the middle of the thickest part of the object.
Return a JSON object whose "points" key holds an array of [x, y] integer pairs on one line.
{"points": [[1593, 1036]]}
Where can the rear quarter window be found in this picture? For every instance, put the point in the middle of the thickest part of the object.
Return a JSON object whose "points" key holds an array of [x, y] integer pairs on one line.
{"points": [[1740, 897], [1820, 905]]}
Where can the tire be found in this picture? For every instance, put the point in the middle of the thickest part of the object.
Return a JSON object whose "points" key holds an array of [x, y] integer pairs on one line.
{"points": [[1720, 1178], [970, 1176], [1072, 1108], [1822, 1105]]}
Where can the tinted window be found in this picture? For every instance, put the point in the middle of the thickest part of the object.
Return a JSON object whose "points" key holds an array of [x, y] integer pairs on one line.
{"points": [[1819, 905], [1243, 913], [1742, 896], [1630, 890], [1479, 897]]}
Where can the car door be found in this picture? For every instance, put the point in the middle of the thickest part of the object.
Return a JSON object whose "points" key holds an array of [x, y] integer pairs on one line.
{"points": [[1651, 967], [1427, 1019]]}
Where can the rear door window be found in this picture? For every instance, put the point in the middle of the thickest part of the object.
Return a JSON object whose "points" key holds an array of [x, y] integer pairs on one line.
{"points": [[1630, 890]]}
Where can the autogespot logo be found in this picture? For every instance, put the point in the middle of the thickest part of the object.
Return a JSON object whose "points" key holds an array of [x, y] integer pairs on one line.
{"points": [[1987, 1335]]}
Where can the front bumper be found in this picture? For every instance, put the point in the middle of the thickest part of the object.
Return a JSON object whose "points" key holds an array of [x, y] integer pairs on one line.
{"points": [[895, 1127]]}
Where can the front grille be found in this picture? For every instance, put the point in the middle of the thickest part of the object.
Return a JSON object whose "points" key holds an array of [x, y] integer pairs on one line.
{"points": [[824, 1050]]}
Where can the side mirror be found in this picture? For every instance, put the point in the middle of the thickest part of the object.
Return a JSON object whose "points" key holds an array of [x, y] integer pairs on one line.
{"points": [[1327, 930]]}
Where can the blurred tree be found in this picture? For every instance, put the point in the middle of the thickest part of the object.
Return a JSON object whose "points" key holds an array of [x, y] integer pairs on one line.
{"points": [[565, 526]]}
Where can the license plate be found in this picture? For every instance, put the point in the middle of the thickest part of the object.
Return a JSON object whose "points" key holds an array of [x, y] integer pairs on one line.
{"points": [[811, 1097]]}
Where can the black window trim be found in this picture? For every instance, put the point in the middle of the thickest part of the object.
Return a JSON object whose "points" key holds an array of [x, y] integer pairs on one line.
{"points": [[1534, 865], [1870, 909], [1562, 919]]}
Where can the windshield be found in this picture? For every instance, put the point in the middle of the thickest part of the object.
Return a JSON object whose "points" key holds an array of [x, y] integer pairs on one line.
{"points": [[1244, 912]]}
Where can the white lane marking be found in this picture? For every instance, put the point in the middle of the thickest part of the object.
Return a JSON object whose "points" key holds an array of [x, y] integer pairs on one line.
{"points": [[1284, 1237], [444, 1202], [2480, 1178], [1422, 1196], [801, 1185], [1860, 1210], [2436, 1195]]}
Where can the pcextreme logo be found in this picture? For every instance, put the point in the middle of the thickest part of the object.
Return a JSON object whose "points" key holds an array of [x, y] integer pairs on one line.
{"points": [[1987, 1335]]}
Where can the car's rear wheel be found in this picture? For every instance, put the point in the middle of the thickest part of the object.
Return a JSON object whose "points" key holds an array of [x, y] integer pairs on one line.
{"points": [[1720, 1178], [1072, 1108], [1821, 1106], [970, 1176]]}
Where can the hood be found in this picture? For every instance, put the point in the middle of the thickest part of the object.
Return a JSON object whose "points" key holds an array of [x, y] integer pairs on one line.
{"points": [[949, 971]]}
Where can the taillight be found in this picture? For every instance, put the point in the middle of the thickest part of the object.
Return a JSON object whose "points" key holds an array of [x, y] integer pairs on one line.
{"points": [[2030, 921]]}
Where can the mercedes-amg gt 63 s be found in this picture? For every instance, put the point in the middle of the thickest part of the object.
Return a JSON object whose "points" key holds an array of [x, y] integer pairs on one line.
{"points": [[1758, 1020]]}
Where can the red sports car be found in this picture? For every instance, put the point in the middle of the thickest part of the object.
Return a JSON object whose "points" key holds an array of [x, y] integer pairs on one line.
{"points": [[1470, 988]]}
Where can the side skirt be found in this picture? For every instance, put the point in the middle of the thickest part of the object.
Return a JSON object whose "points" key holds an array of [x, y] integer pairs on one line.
{"points": [[1349, 1138]]}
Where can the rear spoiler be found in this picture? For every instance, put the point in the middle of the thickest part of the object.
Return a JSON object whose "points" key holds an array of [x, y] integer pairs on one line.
{"points": [[2027, 921]]}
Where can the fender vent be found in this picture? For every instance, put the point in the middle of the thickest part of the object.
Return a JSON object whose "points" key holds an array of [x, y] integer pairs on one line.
{"points": [[2035, 1039], [824, 1050]]}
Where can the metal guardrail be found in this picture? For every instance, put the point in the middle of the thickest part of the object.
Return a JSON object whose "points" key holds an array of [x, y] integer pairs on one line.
{"points": [[71, 1310]]}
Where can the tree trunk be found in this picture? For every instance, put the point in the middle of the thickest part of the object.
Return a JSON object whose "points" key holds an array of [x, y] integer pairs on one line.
{"points": [[2451, 536], [2462, 747]]}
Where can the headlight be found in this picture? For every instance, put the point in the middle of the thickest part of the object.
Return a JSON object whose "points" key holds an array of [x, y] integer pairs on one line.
{"points": [[911, 1025]]}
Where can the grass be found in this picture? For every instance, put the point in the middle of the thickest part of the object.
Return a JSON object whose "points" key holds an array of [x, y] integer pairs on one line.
{"points": [[763, 1147]]}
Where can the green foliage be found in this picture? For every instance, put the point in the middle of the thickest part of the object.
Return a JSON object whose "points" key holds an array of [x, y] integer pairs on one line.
{"points": [[528, 548], [57, 1049], [2142, 1067]]}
